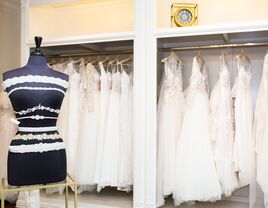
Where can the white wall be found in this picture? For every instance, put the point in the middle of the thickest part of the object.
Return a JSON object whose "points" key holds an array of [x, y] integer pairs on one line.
{"points": [[81, 18], [9, 35]]}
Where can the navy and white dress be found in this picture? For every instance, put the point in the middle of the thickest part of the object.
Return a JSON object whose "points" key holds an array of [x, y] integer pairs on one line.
{"points": [[37, 152]]}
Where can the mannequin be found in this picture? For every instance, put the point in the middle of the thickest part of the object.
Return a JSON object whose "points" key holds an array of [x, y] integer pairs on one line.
{"points": [[37, 153]]}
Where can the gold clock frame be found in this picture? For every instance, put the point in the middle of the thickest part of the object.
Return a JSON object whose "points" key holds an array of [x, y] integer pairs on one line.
{"points": [[177, 7]]}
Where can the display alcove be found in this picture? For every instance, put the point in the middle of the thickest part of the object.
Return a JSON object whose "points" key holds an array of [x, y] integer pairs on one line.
{"points": [[117, 49], [188, 43]]}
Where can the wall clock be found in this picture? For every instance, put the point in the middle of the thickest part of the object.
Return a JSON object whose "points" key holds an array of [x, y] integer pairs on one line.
{"points": [[184, 15]]}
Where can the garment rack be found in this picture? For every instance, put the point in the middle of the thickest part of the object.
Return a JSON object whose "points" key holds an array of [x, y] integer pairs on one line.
{"points": [[216, 46], [185, 48], [98, 53]]}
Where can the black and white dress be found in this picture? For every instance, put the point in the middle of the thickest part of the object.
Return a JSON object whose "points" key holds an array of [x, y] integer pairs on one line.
{"points": [[37, 152]]}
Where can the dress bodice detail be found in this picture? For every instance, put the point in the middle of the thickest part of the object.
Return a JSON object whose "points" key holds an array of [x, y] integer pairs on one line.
{"points": [[5, 105], [225, 77], [243, 80], [198, 82], [89, 85], [173, 79], [222, 105], [116, 82]]}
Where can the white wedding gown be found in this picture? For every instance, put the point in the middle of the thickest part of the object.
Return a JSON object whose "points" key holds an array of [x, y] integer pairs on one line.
{"points": [[244, 143], [73, 121], [196, 176], [125, 177], [222, 131], [88, 126], [110, 158], [261, 131], [105, 82], [168, 131], [7, 132]]}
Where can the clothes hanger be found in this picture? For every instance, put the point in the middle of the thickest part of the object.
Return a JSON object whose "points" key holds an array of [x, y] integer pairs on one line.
{"points": [[96, 60], [107, 59], [78, 63], [243, 55], [243, 58], [52, 62], [130, 58], [223, 59], [172, 55], [201, 61], [111, 63], [65, 62]]}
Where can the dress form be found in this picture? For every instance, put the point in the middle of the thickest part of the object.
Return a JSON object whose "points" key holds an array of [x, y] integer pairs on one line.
{"points": [[36, 154]]}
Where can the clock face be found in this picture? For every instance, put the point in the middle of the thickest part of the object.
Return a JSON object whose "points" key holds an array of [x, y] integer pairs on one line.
{"points": [[184, 16]]}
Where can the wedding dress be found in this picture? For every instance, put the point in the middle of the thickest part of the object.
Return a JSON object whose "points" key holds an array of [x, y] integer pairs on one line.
{"points": [[244, 144], [89, 112], [222, 131], [105, 82], [261, 131], [62, 122], [125, 134], [196, 176], [169, 124], [73, 124], [110, 157], [7, 132]]}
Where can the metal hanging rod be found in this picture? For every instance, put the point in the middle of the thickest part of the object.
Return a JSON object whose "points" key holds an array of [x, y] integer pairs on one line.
{"points": [[121, 52], [99, 53], [226, 46]]}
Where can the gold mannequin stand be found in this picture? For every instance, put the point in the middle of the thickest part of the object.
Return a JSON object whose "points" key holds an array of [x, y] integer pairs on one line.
{"points": [[68, 182]]}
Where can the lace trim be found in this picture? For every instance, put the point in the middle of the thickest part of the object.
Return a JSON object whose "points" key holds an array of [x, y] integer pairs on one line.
{"points": [[37, 136], [41, 147], [39, 107], [34, 78], [36, 88], [173, 87], [38, 129], [37, 117]]}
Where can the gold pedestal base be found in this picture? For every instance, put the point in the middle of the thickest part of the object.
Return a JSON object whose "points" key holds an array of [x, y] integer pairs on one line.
{"points": [[69, 182]]}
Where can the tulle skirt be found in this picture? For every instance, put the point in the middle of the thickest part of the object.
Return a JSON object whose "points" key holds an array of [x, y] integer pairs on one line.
{"points": [[87, 143], [262, 163], [110, 156], [244, 144], [196, 176], [169, 124]]}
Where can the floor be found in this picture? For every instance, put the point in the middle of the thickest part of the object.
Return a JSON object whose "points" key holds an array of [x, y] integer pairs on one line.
{"points": [[239, 199], [108, 197], [111, 198]]}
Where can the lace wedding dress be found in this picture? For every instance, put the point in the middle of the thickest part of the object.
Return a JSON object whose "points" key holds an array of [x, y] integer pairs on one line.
{"points": [[169, 123], [125, 178], [196, 176], [88, 123], [222, 131], [73, 124], [105, 82], [7, 132], [110, 157], [244, 144], [261, 132]]}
